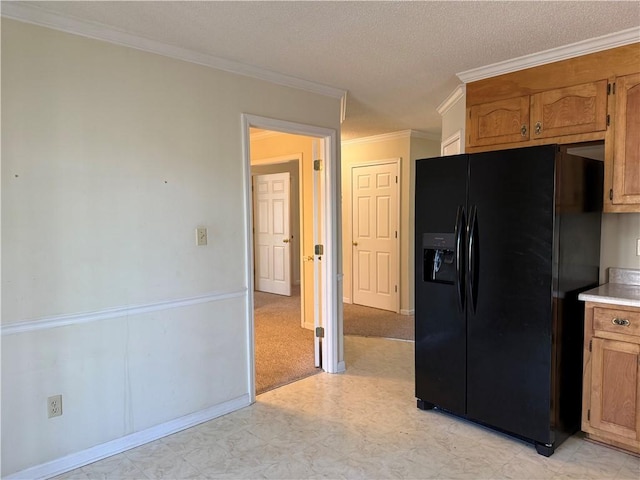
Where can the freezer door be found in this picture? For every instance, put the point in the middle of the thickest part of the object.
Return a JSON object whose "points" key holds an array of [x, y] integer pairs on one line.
{"points": [[440, 346], [509, 314]]}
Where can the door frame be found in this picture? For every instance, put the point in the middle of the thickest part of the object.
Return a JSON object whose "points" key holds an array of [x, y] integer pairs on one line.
{"points": [[295, 157], [332, 277], [398, 162]]}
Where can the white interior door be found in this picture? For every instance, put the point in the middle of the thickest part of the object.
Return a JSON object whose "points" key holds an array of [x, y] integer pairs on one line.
{"points": [[272, 237], [374, 201]]}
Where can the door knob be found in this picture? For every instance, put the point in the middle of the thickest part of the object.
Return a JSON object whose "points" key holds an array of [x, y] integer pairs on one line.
{"points": [[355, 244], [286, 240]]}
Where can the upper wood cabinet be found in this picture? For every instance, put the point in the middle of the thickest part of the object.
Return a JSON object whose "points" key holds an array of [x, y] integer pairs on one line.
{"points": [[626, 149], [503, 121], [552, 113], [592, 98], [569, 110]]}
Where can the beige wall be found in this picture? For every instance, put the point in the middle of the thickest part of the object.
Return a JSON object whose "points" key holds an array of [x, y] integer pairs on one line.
{"points": [[392, 147], [111, 157], [420, 148], [620, 232]]}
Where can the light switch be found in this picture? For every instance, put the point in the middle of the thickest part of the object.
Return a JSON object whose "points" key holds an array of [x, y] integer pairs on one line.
{"points": [[201, 236], [638, 248]]}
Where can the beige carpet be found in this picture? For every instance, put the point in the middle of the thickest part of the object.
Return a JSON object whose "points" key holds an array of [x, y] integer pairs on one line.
{"points": [[372, 322], [284, 350]]}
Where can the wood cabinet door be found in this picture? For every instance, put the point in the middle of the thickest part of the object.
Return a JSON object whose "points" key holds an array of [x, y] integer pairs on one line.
{"points": [[626, 149], [569, 110], [503, 121], [615, 388]]}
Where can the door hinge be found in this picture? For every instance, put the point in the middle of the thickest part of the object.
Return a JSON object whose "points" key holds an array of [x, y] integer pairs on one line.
{"points": [[317, 165], [608, 89], [608, 120], [589, 414], [611, 194], [590, 344], [320, 332], [396, 288], [614, 88], [396, 178], [319, 249]]}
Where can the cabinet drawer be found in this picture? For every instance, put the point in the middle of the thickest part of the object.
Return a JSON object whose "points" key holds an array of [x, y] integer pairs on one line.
{"points": [[616, 321]]}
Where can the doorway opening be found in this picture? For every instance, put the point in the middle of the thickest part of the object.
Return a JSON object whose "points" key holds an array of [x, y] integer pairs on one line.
{"points": [[326, 283], [284, 348]]}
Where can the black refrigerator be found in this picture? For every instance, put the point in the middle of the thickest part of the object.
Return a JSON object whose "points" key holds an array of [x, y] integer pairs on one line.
{"points": [[505, 241]]}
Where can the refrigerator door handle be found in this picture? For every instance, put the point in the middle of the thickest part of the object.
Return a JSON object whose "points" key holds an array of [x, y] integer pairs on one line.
{"points": [[472, 280], [461, 222]]}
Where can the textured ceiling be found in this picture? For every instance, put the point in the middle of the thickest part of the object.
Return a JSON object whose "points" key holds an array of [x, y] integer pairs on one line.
{"points": [[398, 60]]}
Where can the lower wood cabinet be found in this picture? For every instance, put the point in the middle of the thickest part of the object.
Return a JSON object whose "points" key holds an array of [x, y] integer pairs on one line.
{"points": [[611, 387]]}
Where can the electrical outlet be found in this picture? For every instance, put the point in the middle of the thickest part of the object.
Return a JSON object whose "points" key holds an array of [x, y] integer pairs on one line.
{"points": [[54, 406], [638, 248]]}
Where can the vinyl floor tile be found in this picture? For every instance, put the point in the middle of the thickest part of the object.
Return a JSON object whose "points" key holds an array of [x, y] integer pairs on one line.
{"points": [[361, 424]]}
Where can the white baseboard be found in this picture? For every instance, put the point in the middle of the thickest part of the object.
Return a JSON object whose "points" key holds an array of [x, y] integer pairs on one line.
{"points": [[93, 454], [346, 300], [407, 312], [341, 367]]}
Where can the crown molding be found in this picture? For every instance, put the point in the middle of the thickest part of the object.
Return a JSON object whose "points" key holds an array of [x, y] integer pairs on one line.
{"points": [[452, 99], [384, 137], [605, 42], [38, 16]]}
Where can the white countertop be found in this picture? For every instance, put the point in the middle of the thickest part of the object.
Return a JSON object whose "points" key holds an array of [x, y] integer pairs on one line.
{"points": [[614, 293]]}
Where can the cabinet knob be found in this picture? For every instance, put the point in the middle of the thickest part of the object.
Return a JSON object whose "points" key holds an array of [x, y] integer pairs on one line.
{"points": [[623, 322], [538, 128], [523, 130]]}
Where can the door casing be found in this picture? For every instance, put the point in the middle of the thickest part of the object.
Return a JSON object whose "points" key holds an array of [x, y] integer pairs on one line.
{"points": [[332, 344]]}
